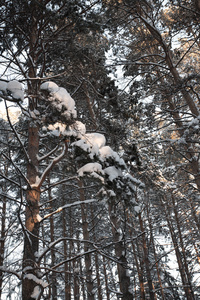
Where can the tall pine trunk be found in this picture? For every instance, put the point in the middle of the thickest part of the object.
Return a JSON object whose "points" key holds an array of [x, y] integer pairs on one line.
{"points": [[124, 278], [146, 261], [31, 233], [88, 259], [31, 242]]}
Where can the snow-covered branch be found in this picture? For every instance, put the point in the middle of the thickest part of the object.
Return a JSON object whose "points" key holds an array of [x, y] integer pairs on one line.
{"points": [[48, 154], [69, 205], [52, 164], [16, 134], [7, 270]]}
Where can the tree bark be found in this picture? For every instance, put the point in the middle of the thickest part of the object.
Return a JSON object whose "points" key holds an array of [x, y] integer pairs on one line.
{"points": [[190, 288], [146, 261], [31, 241], [66, 265], [53, 256], [124, 278], [88, 260], [2, 240], [177, 251]]}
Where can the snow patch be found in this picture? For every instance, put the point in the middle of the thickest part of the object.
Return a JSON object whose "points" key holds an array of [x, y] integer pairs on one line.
{"points": [[15, 88], [107, 152], [77, 129], [3, 86], [49, 86], [57, 128], [37, 181], [137, 209], [39, 218], [60, 98], [36, 280], [90, 168], [91, 142], [95, 139], [112, 173], [36, 292]]}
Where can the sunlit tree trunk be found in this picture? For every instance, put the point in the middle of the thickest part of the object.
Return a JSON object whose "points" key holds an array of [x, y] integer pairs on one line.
{"points": [[31, 234]]}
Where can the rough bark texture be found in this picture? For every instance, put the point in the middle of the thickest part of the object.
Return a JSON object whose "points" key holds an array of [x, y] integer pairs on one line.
{"points": [[31, 241]]}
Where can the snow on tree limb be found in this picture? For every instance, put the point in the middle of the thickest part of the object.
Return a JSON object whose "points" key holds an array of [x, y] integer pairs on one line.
{"points": [[50, 166]]}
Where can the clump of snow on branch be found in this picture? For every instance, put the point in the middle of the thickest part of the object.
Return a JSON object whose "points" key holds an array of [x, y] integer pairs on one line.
{"points": [[112, 172], [94, 144], [36, 280], [13, 88], [36, 292], [106, 152], [77, 129], [107, 166], [91, 143], [90, 167], [3, 86], [57, 129], [49, 86], [60, 99]]}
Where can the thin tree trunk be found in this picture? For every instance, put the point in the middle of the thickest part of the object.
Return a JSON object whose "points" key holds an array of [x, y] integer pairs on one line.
{"points": [[76, 273], [106, 279], [146, 261], [53, 257], [136, 255], [96, 257], [188, 275], [2, 240], [155, 254], [66, 265], [124, 278], [177, 251], [88, 260]]}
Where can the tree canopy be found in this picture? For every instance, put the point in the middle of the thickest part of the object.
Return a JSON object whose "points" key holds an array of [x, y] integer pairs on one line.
{"points": [[99, 150]]}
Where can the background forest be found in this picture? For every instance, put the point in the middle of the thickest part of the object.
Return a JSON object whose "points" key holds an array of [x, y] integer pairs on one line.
{"points": [[99, 149]]}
